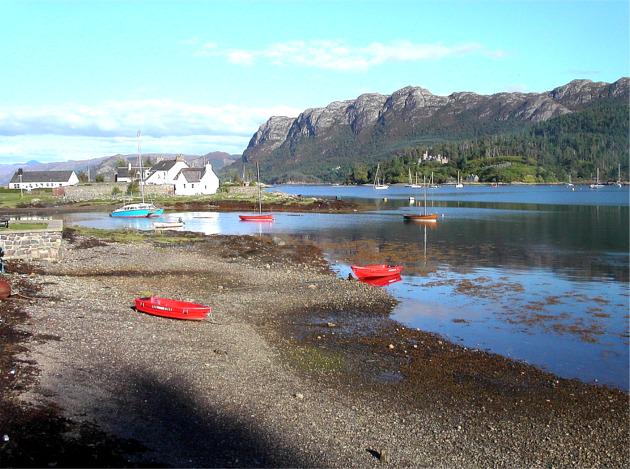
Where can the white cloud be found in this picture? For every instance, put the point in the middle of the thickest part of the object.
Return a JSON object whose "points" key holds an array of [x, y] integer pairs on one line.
{"points": [[337, 55], [77, 131]]}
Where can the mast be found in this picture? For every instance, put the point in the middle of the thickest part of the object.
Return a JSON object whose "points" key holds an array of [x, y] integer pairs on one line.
{"points": [[425, 194], [259, 192], [140, 164]]}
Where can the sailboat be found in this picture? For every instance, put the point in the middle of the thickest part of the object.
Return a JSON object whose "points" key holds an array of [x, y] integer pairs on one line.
{"points": [[459, 184], [433, 186], [411, 183], [570, 184], [597, 185], [378, 186], [618, 183], [426, 217], [142, 210], [259, 216]]}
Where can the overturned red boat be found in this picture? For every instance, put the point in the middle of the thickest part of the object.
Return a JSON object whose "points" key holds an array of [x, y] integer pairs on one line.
{"points": [[173, 309], [376, 270], [256, 217]]}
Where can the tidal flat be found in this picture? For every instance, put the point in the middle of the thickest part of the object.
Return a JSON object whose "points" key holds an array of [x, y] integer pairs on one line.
{"points": [[294, 367]]}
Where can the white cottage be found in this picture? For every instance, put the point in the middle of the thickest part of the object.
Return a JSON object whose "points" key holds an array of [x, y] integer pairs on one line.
{"points": [[42, 179], [196, 181], [166, 171]]}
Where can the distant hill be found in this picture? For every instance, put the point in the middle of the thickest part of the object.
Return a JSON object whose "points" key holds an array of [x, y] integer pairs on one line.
{"points": [[105, 165], [324, 144]]}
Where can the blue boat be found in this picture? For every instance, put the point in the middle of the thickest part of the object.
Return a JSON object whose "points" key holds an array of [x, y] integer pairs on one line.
{"points": [[137, 211], [140, 210]]}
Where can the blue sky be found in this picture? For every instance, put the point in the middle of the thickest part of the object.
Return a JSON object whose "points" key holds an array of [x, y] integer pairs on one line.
{"points": [[79, 78]]}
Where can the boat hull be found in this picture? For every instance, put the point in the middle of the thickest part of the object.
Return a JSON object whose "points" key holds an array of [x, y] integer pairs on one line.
{"points": [[256, 217], [431, 217], [172, 309], [381, 281], [140, 213], [376, 270]]}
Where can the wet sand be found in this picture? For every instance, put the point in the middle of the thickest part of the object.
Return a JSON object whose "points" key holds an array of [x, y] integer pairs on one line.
{"points": [[295, 367]]}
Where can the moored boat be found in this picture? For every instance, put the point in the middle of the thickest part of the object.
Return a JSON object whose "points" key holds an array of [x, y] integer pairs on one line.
{"points": [[141, 210], [165, 225], [376, 270], [431, 217], [173, 309], [259, 217]]}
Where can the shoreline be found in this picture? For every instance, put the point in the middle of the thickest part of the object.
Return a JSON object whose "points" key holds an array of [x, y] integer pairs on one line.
{"points": [[308, 360]]}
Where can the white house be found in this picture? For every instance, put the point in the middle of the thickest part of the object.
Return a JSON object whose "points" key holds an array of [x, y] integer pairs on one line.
{"points": [[166, 171], [196, 181], [42, 179]]}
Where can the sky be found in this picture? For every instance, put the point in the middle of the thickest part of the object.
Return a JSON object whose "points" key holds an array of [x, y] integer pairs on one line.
{"points": [[78, 79]]}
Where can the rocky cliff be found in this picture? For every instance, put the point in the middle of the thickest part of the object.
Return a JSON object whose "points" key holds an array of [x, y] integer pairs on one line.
{"points": [[372, 126]]}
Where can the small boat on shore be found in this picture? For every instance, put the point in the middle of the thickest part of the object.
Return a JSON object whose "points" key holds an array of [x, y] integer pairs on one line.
{"points": [[376, 270], [173, 309]]}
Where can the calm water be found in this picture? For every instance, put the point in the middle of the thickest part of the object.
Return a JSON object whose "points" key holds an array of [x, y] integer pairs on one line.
{"points": [[538, 274]]}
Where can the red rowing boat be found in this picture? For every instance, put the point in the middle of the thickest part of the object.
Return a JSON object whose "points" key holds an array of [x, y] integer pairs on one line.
{"points": [[430, 217], [174, 309], [382, 281], [376, 270], [256, 217]]}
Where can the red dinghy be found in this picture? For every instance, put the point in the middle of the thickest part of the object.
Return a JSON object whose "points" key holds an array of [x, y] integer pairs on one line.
{"points": [[172, 308], [256, 217], [376, 270]]}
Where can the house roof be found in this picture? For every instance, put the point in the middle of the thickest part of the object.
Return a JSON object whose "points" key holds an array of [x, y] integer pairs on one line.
{"points": [[164, 165], [122, 171], [42, 176], [192, 174]]}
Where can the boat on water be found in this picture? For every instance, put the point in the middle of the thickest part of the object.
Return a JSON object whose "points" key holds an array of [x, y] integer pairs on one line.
{"points": [[174, 309], [426, 217], [459, 184], [432, 185], [376, 270], [618, 183], [597, 185], [259, 217], [140, 210], [413, 185], [167, 225], [377, 185], [381, 281]]}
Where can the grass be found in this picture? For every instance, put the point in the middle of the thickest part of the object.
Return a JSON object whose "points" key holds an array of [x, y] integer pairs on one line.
{"points": [[132, 236], [25, 226], [10, 198]]}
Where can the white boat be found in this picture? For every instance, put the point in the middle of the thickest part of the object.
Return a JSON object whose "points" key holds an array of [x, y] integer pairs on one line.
{"points": [[459, 184], [382, 185], [433, 186], [166, 225], [570, 184], [618, 183], [597, 185], [412, 184]]}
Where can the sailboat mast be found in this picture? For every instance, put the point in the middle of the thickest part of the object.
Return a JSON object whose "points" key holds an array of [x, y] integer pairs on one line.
{"points": [[140, 164], [425, 194], [259, 192]]}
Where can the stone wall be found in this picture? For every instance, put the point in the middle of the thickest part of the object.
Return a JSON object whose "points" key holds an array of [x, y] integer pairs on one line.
{"points": [[103, 190], [33, 244]]}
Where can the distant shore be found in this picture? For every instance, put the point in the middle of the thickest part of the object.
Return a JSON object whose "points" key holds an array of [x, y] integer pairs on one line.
{"points": [[295, 367]]}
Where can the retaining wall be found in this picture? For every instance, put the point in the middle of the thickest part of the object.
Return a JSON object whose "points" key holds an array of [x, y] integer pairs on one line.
{"points": [[103, 190], [33, 244]]}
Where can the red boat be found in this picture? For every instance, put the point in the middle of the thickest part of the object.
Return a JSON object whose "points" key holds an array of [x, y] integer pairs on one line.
{"points": [[382, 281], [430, 217], [376, 270], [256, 217], [172, 308]]}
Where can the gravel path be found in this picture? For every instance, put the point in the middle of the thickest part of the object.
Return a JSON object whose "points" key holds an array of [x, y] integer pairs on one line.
{"points": [[266, 381]]}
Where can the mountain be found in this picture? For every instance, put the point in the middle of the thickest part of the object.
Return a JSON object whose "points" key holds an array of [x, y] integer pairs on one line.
{"points": [[105, 165], [324, 143]]}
